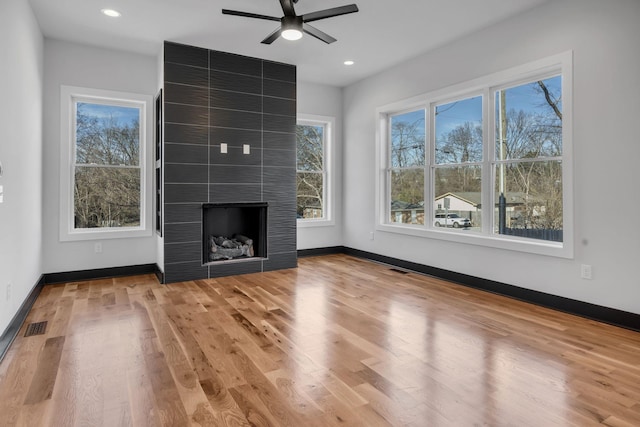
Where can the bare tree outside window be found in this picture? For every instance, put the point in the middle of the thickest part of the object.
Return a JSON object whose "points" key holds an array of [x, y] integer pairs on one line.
{"points": [[407, 159], [310, 176], [529, 165], [107, 173]]}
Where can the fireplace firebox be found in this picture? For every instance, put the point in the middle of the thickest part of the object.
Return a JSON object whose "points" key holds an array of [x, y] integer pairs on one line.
{"points": [[234, 231]]}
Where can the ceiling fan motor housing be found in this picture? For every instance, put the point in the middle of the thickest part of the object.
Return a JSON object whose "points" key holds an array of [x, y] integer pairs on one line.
{"points": [[291, 23]]}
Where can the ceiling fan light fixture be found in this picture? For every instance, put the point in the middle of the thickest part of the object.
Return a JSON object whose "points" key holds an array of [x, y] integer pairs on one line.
{"points": [[291, 34], [291, 27]]}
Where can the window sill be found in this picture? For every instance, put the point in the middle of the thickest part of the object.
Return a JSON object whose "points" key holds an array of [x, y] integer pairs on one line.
{"points": [[468, 237], [310, 223], [104, 234]]}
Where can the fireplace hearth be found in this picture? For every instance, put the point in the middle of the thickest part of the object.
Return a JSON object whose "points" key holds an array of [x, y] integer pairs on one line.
{"points": [[234, 231]]}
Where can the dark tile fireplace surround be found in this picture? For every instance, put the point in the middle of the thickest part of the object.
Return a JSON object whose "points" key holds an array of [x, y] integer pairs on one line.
{"points": [[229, 138]]}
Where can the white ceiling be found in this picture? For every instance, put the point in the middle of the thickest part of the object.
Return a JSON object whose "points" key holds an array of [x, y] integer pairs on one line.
{"points": [[382, 34]]}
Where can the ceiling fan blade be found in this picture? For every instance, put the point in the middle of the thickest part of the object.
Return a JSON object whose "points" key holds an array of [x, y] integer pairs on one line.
{"points": [[287, 7], [249, 15], [272, 37], [329, 13], [320, 35]]}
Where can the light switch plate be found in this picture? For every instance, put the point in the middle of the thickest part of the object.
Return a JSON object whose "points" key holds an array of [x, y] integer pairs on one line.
{"points": [[223, 148], [246, 149], [1, 193]]}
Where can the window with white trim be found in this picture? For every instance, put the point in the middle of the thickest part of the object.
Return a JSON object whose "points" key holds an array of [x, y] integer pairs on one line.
{"points": [[313, 180], [486, 162], [104, 164]]}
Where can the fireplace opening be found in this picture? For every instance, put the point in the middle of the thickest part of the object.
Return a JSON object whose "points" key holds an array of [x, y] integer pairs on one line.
{"points": [[234, 231]]}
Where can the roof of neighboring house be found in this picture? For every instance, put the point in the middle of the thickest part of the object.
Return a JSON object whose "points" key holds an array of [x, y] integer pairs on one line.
{"points": [[399, 205], [474, 197]]}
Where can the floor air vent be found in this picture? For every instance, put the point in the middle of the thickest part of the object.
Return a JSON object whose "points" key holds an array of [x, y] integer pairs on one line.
{"points": [[37, 328], [395, 270]]}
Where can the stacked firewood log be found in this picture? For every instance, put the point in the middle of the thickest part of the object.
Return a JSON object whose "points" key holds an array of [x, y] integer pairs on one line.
{"points": [[221, 248]]}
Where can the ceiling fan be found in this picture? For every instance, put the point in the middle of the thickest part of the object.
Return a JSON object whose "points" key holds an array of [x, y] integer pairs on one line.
{"points": [[292, 26]]}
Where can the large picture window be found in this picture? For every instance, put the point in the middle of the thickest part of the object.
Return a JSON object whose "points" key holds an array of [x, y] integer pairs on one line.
{"points": [[103, 169], [313, 180], [485, 162]]}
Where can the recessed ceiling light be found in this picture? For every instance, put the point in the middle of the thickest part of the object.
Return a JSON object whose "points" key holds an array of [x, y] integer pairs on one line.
{"points": [[349, 62], [111, 13]]}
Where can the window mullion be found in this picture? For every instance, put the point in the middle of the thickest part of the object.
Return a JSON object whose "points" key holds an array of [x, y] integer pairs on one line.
{"points": [[488, 174]]}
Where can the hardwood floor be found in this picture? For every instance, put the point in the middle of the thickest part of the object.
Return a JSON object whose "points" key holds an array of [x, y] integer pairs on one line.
{"points": [[340, 341]]}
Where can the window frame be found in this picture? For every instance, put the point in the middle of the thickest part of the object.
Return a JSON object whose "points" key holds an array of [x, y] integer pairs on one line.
{"points": [[69, 97], [328, 122], [560, 64]]}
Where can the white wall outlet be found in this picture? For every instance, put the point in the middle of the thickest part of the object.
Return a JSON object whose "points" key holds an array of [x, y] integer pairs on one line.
{"points": [[372, 235], [97, 248], [223, 148], [1, 193], [8, 292], [585, 271], [246, 149]]}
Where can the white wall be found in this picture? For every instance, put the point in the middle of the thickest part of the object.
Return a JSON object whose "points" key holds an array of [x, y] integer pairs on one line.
{"points": [[323, 100], [21, 76], [604, 38], [77, 65]]}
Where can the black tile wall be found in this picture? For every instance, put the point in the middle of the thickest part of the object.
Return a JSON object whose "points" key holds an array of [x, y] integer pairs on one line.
{"points": [[236, 137], [186, 134], [184, 54], [186, 114], [281, 158], [219, 117], [184, 74], [279, 88], [186, 193], [185, 94], [183, 212], [278, 71], [235, 63], [185, 173], [274, 123], [235, 100], [224, 174], [284, 107], [235, 156], [236, 193], [186, 153], [190, 232], [235, 82], [212, 98]]}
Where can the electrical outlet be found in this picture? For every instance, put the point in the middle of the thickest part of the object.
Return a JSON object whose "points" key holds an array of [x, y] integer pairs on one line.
{"points": [[372, 235], [8, 293], [585, 271], [98, 248]]}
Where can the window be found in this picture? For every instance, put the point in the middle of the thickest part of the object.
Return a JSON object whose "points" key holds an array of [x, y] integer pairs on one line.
{"points": [[104, 165], [489, 160], [406, 171], [313, 180], [457, 169]]}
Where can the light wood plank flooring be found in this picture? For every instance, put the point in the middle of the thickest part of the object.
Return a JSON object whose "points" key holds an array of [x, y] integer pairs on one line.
{"points": [[340, 341]]}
